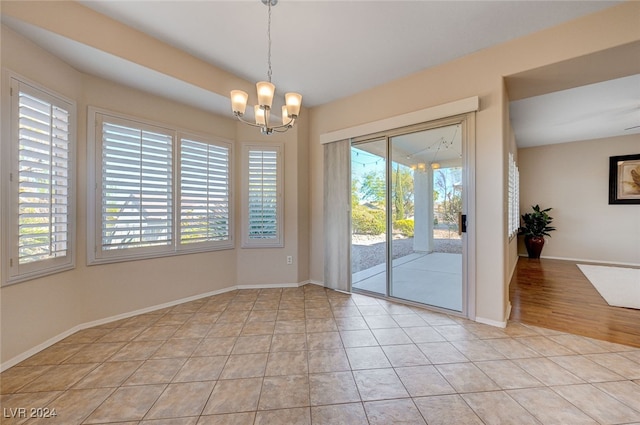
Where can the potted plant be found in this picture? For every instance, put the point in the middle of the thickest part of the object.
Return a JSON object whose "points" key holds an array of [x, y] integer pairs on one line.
{"points": [[536, 225]]}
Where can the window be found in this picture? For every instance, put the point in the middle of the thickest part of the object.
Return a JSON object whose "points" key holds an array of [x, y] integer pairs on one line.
{"points": [[205, 202], [135, 187], [514, 197], [40, 189], [262, 211], [137, 214]]}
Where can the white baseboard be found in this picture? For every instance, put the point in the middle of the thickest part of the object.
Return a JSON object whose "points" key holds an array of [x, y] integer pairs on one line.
{"points": [[513, 270], [491, 322], [35, 350], [508, 313], [342, 292], [46, 344], [278, 285], [584, 260], [268, 286]]}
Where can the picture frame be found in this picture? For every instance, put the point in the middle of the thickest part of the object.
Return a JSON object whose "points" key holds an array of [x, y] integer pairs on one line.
{"points": [[624, 179]]}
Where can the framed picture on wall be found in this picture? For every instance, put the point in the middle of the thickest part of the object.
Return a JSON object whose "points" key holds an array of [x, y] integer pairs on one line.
{"points": [[624, 179]]}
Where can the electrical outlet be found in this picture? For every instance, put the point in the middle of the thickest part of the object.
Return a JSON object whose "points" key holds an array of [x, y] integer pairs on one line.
{"points": [[289, 259]]}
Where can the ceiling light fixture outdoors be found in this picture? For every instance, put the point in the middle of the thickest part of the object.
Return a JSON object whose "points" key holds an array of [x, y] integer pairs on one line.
{"points": [[266, 91]]}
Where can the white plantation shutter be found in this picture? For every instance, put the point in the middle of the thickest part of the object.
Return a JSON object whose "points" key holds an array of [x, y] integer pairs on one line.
{"points": [[135, 185], [263, 194], [43, 172], [205, 193], [159, 192], [514, 197], [263, 203], [42, 199]]}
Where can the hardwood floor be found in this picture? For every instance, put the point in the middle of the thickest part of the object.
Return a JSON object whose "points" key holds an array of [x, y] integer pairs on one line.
{"points": [[554, 294]]}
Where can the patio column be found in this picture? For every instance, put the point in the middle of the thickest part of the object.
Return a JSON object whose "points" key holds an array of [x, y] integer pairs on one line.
{"points": [[423, 210]]}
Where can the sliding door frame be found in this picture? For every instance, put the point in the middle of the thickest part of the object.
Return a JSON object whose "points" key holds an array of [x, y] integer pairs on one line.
{"points": [[467, 123]]}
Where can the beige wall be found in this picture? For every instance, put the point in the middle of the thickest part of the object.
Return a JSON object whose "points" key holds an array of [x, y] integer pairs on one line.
{"points": [[303, 212], [38, 310], [433, 87], [480, 74], [268, 266], [573, 179]]}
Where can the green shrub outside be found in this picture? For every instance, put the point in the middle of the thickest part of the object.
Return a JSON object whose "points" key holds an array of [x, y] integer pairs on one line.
{"points": [[367, 221], [405, 226]]}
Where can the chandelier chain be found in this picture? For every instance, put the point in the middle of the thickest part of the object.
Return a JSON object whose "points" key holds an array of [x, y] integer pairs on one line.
{"points": [[269, 72]]}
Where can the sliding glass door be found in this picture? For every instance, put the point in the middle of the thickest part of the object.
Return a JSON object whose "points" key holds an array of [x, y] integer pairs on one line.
{"points": [[426, 193], [408, 199], [369, 216]]}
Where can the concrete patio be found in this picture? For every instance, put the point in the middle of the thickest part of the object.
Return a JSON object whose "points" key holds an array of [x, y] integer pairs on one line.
{"points": [[433, 279]]}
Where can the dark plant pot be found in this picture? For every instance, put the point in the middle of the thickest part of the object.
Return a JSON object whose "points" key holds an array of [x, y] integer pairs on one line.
{"points": [[534, 245]]}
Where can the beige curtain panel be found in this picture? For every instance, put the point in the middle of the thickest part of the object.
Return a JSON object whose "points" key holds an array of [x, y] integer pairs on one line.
{"points": [[337, 212]]}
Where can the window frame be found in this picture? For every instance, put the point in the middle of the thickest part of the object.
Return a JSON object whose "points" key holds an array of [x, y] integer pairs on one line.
{"points": [[278, 241], [95, 196], [95, 254], [12, 271], [206, 245]]}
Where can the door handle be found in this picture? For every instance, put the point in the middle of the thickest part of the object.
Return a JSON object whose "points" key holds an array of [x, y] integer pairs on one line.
{"points": [[463, 223]]}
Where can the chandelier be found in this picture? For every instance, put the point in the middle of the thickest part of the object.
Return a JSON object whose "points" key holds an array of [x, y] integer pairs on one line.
{"points": [[266, 90]]}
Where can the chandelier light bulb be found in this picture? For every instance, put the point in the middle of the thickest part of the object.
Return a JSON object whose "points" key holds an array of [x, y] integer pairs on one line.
{"points": [[266, 91], [293, 101], [239, 101], [261, 115]]}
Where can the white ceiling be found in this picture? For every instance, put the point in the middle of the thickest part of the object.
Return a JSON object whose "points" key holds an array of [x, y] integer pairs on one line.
{"points": [[325, 50], [606, 109]]}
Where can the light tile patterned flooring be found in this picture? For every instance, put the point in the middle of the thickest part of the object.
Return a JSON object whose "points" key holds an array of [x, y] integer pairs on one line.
{"points": [[312, 356]]}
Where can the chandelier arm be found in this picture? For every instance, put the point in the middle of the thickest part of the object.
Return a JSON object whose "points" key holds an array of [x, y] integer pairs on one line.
{"points": [[266, 125], [281, 130], [287, 125], [252, 124]]}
